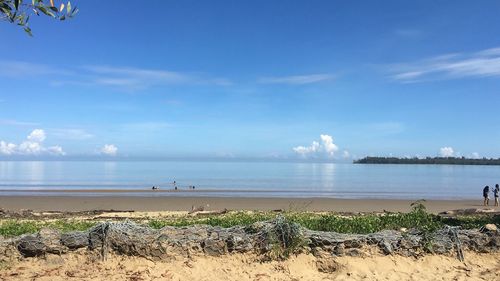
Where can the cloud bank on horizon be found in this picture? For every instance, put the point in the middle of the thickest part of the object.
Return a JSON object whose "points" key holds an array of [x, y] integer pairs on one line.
{"points": [[323, 148], [33, 145], [109, 150]]}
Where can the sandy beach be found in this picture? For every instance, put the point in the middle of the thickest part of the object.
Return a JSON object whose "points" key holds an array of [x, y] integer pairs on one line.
{"points": [[186, 203], [81, 266]]}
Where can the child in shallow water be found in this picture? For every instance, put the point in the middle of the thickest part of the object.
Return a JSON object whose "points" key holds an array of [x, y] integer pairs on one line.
{"points": [[486, 191]]}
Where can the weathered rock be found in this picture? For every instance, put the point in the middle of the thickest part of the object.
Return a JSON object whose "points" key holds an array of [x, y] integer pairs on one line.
{"points": [[386, 247], [214, 247], [31, 246], [354, 252], [489, 227], [46, 241], [51, 238], [128, 238], [75, 240], [339, 250]]}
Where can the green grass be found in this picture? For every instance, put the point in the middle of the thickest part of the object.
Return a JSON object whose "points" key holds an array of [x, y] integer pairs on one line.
{"points": [[9, 228], [418, 218]]}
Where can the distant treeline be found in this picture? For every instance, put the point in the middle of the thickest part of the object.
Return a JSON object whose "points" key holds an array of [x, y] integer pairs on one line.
{"points": [[428, 160]]}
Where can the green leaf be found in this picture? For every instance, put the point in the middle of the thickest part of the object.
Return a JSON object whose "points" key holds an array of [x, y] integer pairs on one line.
{"points": [[16, 4], [54, 9], [45, 11], [63, 17], [4, 6], [28, 30], [68, 7]]}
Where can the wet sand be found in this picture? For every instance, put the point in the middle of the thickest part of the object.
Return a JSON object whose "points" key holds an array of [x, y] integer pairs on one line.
{"points": [[186, 203]]}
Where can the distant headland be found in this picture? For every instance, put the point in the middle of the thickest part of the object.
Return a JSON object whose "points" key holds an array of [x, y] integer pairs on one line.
{"points": [[428, 160]]}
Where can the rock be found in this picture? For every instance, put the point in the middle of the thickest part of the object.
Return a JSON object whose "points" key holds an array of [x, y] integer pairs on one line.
{"points": [[489, 227], [214, 247], [238, 243], [51, 238], [339, 250], [128, 238], [75, 240], [354, 253], [403, 229], [386, 247], [31, 246], [134, 240], [97, 235], [354, 243]]}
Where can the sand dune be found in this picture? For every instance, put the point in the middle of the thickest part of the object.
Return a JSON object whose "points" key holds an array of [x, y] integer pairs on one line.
{"points": [[81, 266]]}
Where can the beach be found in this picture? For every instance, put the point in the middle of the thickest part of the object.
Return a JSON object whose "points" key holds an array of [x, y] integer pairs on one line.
{"points": [[95, 201], [79, 266]]}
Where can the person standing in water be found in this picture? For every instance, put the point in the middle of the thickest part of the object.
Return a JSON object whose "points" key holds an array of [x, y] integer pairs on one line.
{"points": [[496, 192], [486, 191]]}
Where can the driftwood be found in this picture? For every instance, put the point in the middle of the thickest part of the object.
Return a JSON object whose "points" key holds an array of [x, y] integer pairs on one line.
{"points": [[201, 211]]}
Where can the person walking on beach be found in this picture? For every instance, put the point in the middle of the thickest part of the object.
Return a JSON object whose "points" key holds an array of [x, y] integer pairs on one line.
{"points": [[486, 191], [175, 185], [496, 192]]}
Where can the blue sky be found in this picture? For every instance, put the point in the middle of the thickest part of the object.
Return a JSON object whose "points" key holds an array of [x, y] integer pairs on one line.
{"points": [[264, 79]]}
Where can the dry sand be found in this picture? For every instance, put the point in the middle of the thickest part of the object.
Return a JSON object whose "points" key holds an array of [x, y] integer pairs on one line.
{"points": [[173, 203], [81, 266]]}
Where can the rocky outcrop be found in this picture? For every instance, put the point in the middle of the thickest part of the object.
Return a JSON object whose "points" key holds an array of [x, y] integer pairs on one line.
{"points": [[128, 238]]}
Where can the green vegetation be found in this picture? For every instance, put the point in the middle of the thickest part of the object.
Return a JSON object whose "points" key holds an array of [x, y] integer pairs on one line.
{"points": [[428, 160], [418, 219], [11, 228], [18, 11], [286, 239]]}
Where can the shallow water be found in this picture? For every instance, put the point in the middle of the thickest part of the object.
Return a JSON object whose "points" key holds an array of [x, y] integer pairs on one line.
{"points": [[250, 179]]}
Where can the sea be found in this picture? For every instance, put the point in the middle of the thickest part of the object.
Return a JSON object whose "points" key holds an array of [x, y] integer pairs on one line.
{"points": [[245, 179]]}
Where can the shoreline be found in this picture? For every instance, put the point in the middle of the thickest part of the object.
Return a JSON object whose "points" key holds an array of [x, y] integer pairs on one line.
{"points": [[70, 203]]}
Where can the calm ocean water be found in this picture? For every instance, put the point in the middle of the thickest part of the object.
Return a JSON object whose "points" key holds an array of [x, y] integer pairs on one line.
{"points": [[251, 179]]}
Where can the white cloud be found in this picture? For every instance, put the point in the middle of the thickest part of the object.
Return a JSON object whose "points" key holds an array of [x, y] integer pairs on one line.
{"points": [[7, 148], [17, 123], [485, 63], [23, 69], [38, 135], [33, 145], [109, 149], [30, 148], [446, 151], [122, 77], [328, 144], [316, 149], [346, 154], [71, 134], [297, 80], [56, 150], [475, 155]]}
